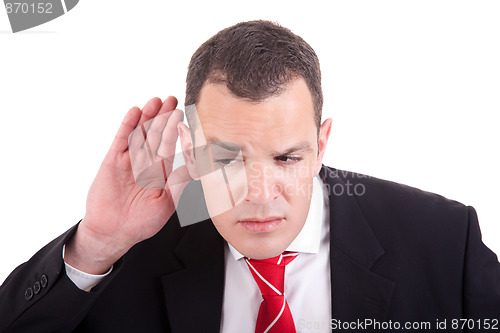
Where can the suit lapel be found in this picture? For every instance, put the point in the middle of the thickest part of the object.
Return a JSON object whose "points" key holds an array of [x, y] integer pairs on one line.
{"points": [[194, 294], [357, 292]]}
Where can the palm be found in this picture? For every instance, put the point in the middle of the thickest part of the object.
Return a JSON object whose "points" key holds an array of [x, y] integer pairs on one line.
{"points": [[116, 206]]}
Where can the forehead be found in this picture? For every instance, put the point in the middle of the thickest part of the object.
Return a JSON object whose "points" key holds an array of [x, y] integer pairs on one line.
{"points": [[221, 113]]}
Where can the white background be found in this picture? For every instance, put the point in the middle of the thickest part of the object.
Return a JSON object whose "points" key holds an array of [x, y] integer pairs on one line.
{"points": [[412, 87]]}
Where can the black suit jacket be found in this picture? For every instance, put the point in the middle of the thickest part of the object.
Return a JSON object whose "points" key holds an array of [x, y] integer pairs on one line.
{"points": [[397, 254]]}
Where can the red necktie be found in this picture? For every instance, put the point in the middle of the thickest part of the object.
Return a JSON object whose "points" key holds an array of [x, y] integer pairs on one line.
{"points": [[274, 313]]}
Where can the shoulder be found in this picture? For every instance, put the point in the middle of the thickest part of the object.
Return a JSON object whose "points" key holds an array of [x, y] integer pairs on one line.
{"points": [[390, 206]]}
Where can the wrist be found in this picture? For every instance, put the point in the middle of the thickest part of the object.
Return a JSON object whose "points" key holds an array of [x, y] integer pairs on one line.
{"points": [[91, 253]]}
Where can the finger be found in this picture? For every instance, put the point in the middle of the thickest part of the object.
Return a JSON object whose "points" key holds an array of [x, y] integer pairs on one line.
{"points": [[168, 105], [130, 121], [150, 109], [150, 113], [170, 134], [154, 133], [136, 139]]}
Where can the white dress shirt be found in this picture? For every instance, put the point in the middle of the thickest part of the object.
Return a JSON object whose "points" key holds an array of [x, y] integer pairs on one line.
{"points": [[307, 278]]}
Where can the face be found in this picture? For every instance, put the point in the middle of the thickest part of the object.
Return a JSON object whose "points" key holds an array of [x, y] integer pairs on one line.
{"points": [[270, 174]]}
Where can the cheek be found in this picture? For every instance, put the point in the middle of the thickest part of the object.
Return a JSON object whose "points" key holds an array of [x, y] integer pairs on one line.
{"points": [[217, 195], [224, 189], [227, 227], [296, 183], [297, 192]]}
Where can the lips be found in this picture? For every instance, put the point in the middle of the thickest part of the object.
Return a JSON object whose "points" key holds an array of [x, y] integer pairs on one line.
{"points": [[267, 224]]}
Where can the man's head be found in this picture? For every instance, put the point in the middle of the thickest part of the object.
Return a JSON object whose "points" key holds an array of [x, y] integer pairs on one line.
{"points": [[254, 60], [257, 86]]}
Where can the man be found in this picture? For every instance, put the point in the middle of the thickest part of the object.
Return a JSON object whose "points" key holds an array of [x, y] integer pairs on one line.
{"points": [[358, 253]]}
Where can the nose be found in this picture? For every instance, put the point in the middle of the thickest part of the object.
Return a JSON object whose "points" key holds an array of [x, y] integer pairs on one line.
{"points": [[262, 181]]}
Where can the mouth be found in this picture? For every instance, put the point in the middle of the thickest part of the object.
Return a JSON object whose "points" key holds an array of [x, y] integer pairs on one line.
{"points": [[261, 224]]}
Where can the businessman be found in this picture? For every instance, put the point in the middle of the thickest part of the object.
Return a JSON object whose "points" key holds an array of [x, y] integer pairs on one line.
{"points": [[287, 245]]}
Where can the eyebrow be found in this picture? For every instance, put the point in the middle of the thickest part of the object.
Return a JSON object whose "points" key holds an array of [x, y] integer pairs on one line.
{"points": [[302, 146], [226, 145]]}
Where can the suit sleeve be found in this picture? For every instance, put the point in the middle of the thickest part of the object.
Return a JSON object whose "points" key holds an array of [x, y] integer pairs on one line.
{"points": [[38, 296], [481, 281]]}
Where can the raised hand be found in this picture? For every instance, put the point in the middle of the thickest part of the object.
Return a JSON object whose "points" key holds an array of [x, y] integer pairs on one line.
{"points": [[123, 210]]}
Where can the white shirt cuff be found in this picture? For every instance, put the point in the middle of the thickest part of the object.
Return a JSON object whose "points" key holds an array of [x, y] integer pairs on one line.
{"points": [[82, 280]]}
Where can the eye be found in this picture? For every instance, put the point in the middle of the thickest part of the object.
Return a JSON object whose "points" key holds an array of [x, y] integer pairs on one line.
{"points": [[286, 159], [225, 162]]}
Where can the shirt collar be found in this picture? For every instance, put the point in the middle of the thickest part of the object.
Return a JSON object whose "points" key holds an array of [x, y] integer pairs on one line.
{"points": [[309, 238]]}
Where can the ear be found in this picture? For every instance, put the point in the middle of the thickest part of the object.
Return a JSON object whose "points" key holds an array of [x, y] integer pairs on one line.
{"points": [[324, 134], [187, 150]]}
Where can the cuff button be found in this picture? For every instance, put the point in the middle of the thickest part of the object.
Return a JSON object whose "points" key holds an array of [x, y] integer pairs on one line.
{"points": [[28, 294], [36, 287], [43, 281]]}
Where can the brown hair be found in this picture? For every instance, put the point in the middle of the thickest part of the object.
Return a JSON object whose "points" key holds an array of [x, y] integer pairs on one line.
{"points": [[255, 60]]}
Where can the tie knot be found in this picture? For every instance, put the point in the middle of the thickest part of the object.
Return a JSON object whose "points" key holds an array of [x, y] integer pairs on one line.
{"points": [[269, 274], [282, 260]]}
